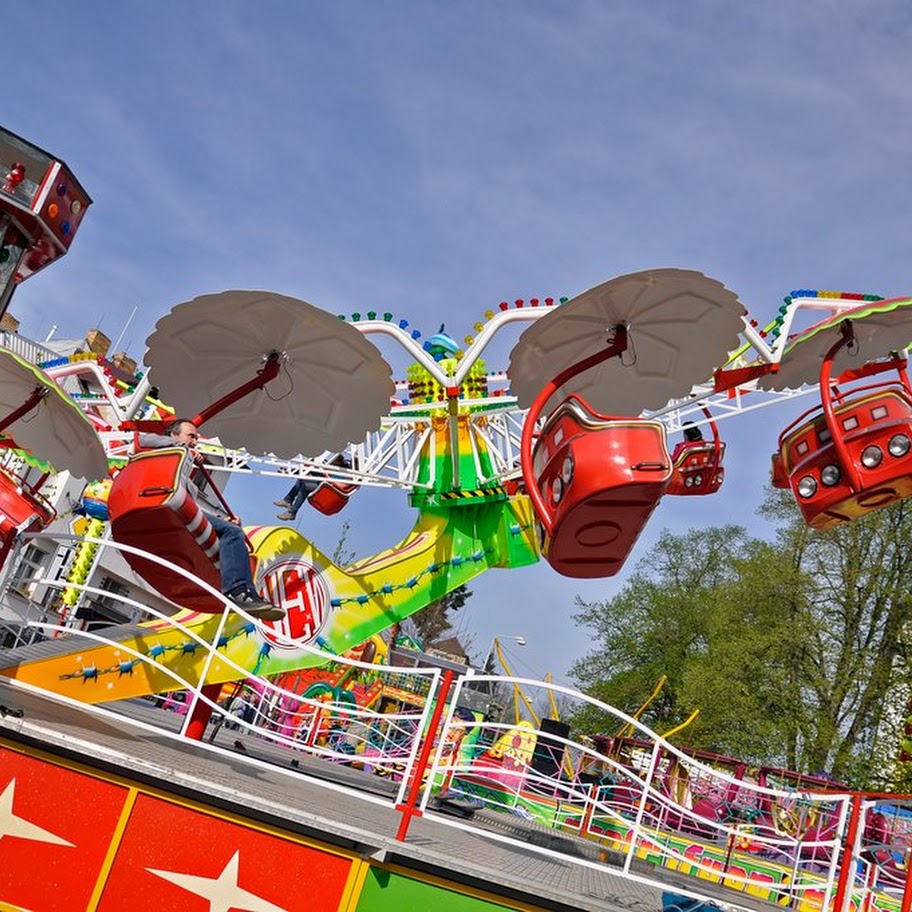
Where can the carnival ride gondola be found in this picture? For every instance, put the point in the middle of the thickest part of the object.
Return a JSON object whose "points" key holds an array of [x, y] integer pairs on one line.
{"points": [[851, 454], [332, 494], [201, 355], [595, 478], [42, 205], [696, 463]]}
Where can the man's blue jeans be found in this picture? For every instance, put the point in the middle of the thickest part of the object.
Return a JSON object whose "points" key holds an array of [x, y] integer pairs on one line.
{"points": [[299, 492], [234, 559]]}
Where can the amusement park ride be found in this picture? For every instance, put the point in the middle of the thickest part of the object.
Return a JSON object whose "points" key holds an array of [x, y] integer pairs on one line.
{"points": [[563, 458], [567, 464]]}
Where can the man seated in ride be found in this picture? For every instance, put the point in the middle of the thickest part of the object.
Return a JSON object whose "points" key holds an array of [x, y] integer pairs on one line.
{"points": [[234, 561], [692, 435]]}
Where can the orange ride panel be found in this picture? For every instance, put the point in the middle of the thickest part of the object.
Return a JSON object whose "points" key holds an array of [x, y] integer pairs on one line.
{"points": [[696, 468], [876, 428], [151, 508], [601, 478]]}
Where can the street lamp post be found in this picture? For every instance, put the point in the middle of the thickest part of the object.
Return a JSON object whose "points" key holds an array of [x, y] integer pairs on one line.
{"points": [[491, 687], [488, 666]]}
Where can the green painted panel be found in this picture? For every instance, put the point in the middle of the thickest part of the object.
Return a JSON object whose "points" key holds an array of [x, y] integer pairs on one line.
{"points": [[387, 892]]}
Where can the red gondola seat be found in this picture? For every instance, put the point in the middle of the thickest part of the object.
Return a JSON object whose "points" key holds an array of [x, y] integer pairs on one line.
{"points": [[21, 510], [875, 423], [696, 468], [151, 508], [600, 479], [331, 496]]}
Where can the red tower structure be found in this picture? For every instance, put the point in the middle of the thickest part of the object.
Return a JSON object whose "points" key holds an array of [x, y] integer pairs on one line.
{"points": [[41, 207]]}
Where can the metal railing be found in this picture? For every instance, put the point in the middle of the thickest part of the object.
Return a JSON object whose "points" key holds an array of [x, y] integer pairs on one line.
{"points": [[643, 806]]}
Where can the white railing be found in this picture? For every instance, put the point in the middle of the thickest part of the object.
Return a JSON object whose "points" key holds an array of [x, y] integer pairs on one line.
{"points": [[337, 729]]}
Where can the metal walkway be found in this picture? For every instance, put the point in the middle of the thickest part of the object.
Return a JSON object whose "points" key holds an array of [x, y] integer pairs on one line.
{"points": [[257, 781]]}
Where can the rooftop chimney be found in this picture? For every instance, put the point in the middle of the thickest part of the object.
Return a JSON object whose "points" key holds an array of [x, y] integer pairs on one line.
{"points": [[98, 342], [124, 362]]}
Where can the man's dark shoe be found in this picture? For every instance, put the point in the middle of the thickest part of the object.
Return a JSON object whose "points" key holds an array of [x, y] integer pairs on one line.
{"points": [[255, 606]]}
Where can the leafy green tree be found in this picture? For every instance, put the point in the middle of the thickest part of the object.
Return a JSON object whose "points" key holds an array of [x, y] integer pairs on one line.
{"points": [[857, 671], [794, 650], [657, 625]]}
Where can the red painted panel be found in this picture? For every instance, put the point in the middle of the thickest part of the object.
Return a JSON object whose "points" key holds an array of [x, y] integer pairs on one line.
{"points": [[55, 828], [600, 478], [183, 860], [871, 420], [151, 509]]}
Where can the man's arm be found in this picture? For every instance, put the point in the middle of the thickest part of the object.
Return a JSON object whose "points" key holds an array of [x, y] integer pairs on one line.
{"points": [[147, 441], [156, 441]]}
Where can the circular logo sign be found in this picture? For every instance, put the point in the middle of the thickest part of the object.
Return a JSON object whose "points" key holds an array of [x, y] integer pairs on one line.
{"points": [[299, 589]]}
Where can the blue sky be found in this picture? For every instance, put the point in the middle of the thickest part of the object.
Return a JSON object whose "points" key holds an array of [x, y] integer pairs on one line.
{"points": [[433, 159]]}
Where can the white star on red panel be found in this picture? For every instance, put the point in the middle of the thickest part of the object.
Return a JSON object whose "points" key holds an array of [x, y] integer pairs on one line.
{"points": [[11, 825], [223, 891]]}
